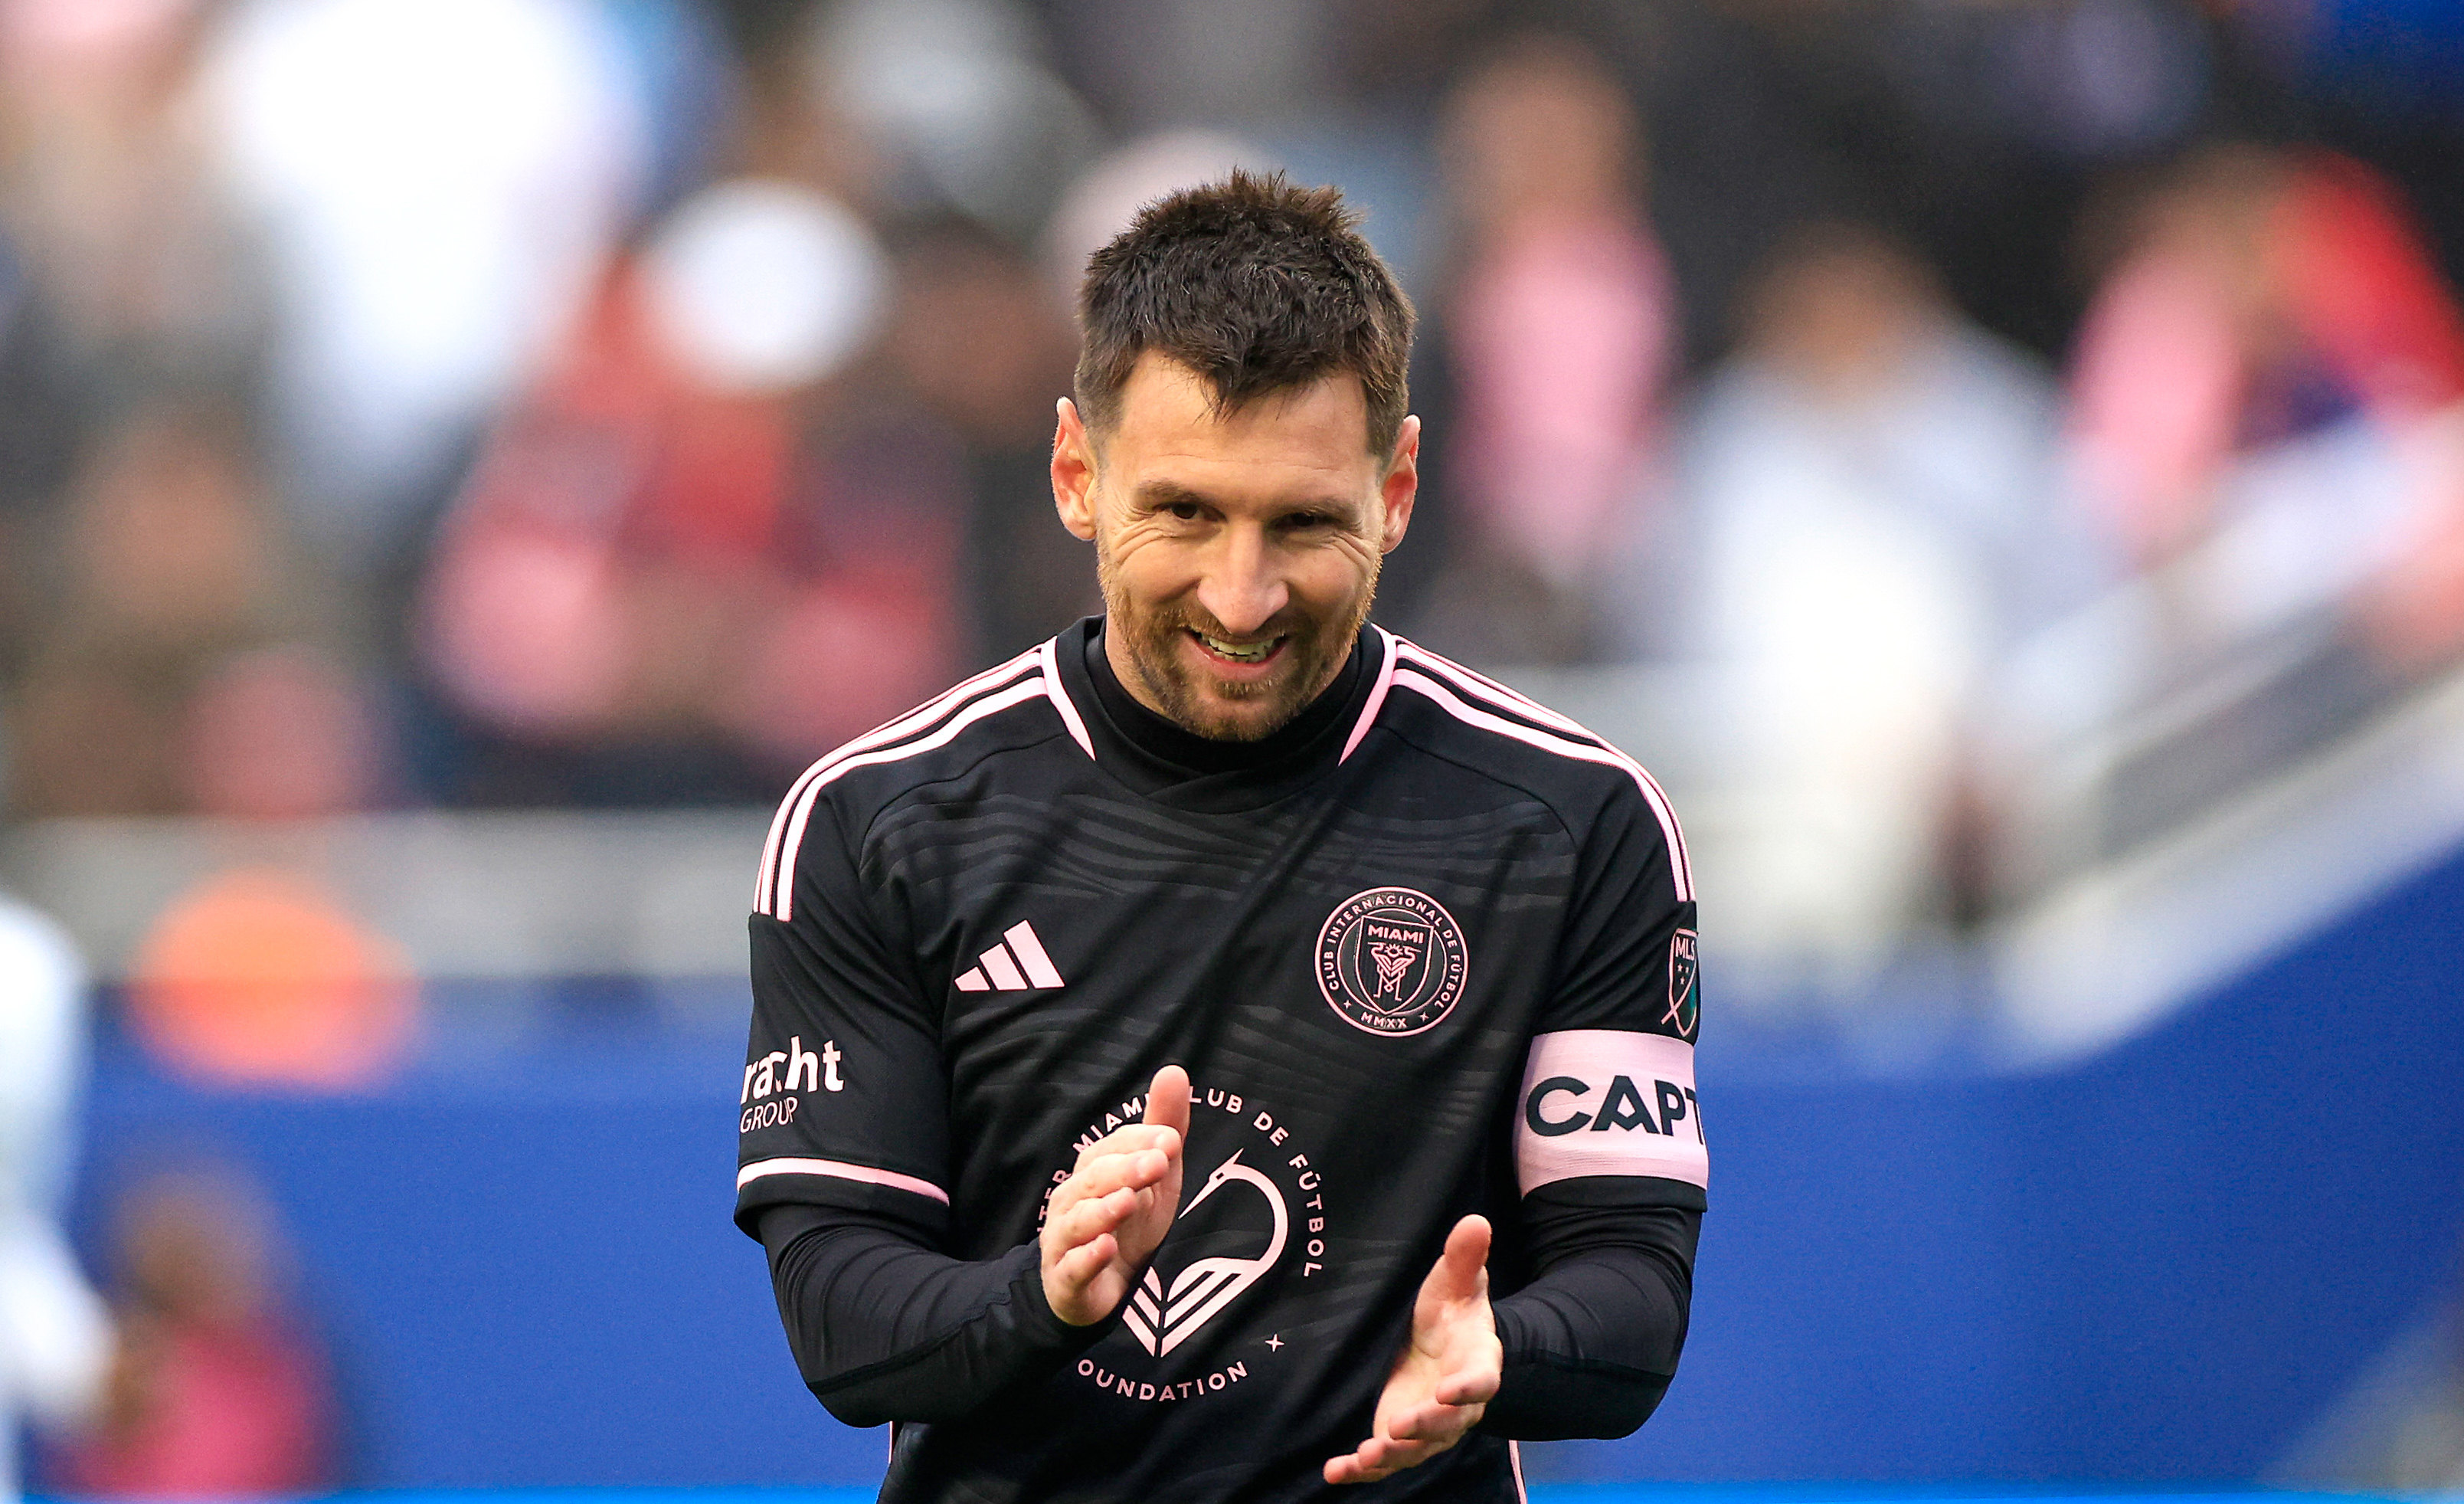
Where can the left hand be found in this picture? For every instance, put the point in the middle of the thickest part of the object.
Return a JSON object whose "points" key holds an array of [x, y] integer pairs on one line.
{"points": [[1446, 1374]]}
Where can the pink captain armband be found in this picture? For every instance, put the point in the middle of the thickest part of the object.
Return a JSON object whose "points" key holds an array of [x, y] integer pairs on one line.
{"points": [[1609, 1101]]}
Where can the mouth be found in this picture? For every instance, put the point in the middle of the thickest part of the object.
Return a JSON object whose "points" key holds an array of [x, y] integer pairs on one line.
{"points": [[1247, 654]]}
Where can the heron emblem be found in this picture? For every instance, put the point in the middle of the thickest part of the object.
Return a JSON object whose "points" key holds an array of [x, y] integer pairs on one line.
{"points": [[1161, 1319]]}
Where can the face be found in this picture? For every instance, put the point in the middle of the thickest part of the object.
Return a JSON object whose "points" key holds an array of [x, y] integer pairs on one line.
{"points": [[1238, 551]]}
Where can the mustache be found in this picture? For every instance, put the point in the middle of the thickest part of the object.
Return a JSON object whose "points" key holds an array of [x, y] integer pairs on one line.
{"points": [[1206, 625]]}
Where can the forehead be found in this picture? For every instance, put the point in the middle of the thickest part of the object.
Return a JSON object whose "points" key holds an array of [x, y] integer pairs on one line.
{"points": [[1168, 421]]}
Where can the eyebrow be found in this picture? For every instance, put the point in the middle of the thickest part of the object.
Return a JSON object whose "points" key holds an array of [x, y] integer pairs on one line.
{"points": [[1170, 493]]}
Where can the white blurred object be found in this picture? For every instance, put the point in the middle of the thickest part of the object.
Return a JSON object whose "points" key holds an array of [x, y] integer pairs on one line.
{"points": [[1864, 557], [437, 182], [955, 88], [1851, 632], [763, 286], [1101, 204], [55, 1338]]}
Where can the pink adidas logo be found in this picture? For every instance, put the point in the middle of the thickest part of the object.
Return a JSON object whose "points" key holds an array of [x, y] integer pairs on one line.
{"points": [[1017, 965]]}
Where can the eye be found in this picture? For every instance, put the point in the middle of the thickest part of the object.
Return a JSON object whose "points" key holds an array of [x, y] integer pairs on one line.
{"points": [[1185, 511]]}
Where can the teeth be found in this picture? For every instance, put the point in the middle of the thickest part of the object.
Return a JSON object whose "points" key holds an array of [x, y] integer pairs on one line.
{"points": [[1256, 653]]}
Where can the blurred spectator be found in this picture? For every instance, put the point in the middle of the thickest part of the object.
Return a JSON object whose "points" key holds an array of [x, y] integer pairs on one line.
{"points": [[981, 343], [436, 185], [278, 734], [54, 1340], [139, 256], [690, 535], [1559, 326], [172, 559], [956, 95], [1868, 483], [2264, 297], [218, 1392], [2268, 418], [1158, 64]]}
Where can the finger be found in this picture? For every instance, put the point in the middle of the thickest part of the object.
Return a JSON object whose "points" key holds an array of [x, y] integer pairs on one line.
{"points": [[1168, 1101], [1377, 1457], [1366, 1465], [1136, 1170], [1078, 1268], [1432, 1422], [1472, 1386], [1090, 1218], [1466, 1254], [1131, 1139]]}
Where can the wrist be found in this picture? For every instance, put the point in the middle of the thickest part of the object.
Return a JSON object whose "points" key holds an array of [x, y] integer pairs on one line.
{"points": [[1039, 1316]]}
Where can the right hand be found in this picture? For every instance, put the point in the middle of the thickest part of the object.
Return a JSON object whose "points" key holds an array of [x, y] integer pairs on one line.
{"points": [[1107, 1219]]}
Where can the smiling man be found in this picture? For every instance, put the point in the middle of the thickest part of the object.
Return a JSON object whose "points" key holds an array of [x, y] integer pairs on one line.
{"points": [[1229, 1051]]}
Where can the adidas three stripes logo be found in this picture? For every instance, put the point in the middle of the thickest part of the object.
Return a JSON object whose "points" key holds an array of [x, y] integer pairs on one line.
{"points": [[1017, 964]]}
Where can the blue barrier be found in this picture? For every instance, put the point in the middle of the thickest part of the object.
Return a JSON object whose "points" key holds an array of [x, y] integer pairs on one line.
{"points": [[2156, 1264]]}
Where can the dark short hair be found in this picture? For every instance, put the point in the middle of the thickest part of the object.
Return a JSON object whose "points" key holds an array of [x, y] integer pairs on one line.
{"points": [[1255, 284]]}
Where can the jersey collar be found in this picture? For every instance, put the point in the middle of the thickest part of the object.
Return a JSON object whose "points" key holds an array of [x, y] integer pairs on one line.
{"points": [[1166, 763]]}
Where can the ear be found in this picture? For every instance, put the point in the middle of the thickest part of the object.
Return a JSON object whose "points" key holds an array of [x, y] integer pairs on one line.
{"points": [[1073, 473], [1401, 486]]}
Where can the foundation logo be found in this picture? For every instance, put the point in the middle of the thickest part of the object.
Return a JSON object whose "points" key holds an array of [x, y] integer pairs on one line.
{"points": [[1159, 1318], [1254, 1226], [1391, 961]]}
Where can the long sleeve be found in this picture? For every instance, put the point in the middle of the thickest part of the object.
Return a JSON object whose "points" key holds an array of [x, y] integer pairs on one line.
{"points": [[1591, 1342], [1609, 1149], [884, 1328]]}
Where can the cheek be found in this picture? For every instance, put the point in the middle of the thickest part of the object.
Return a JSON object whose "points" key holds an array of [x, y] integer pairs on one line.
{"points": [[1334, 575], [1148, 566]]}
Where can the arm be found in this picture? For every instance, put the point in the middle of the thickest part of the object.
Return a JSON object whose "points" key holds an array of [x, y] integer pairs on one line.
{"points": [[1591, 1343], [1611, 1162], [886, 1328]]}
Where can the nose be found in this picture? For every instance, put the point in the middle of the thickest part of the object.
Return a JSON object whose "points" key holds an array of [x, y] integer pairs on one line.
{"points": [[1243, 588]]}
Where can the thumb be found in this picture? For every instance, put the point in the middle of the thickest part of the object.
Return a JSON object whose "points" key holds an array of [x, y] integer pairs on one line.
{"points": [[1459, 1270], [1168, 1100]]}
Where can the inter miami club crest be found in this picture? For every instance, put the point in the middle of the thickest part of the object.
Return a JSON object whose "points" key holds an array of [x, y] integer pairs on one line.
{"points": [[1684, 987], [1391, 961]]}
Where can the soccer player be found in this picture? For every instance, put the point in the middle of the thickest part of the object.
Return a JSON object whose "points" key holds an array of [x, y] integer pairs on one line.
{"points": [[1228, 1051]]}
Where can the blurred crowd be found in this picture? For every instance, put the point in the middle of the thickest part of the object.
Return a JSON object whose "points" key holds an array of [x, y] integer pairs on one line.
{"points": [[603, 403], [1961, 425], [194, 1377]]}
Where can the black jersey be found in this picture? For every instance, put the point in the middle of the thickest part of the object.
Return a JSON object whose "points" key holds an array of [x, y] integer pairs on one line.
{"points": [[1428, 950]]}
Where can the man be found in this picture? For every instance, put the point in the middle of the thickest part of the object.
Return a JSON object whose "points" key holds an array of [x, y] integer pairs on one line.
{"points": [[1227, 1050]]}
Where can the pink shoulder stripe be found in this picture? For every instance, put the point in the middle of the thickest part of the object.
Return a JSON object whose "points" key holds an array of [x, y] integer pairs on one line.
{"points": [[1377, 692], [1017, 694], [914, 721], [836, 1169], [1447, 699], [1480, 686], [1049, 655]]}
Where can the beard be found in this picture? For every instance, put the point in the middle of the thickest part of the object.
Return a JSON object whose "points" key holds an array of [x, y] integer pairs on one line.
{"points": [[1230, 710]]}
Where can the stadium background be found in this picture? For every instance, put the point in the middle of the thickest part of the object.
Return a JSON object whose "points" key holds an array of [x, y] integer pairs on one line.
{"points": [[2000, 461]]}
